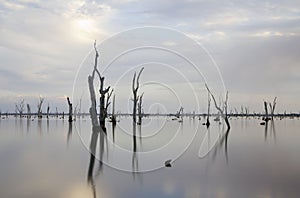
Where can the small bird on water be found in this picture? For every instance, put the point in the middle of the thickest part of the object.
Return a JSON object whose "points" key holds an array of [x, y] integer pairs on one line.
{"points": [[168, 163]]}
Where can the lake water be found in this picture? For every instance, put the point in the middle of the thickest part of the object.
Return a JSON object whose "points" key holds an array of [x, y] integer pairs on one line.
{"points": [[50, 158]]}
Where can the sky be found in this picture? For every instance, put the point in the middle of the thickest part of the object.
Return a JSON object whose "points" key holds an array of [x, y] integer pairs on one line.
{"points": [[46, 49]]}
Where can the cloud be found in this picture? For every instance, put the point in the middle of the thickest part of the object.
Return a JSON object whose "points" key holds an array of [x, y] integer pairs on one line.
{"points": [[42, 43]]}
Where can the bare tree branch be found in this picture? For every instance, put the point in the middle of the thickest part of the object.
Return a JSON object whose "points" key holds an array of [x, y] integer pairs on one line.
{"points": [[225, 106], [135, 88], [20, 107], [138, 78], [215, 102], [39, 106]]}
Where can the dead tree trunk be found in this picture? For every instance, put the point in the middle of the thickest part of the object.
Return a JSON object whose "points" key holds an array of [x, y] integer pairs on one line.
{"points": [[179, 113], [28, 111], [226, 111], [97, 129], [103, 92], [272, 108], [56, 112], [70, 110], [48, 109], [109, 94], [93, 108], [113, 116], [140, 109], [236, 112], [242, 111], [20, 108], [135, 88], [266, 118], [208, 111], [246, 111], [39, 107], [225, 105]]}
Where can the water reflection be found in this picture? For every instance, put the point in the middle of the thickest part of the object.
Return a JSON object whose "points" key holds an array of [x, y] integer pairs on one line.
{"points": [[97, 131], [270, 131], [113, 128], [254, 164], [93, 146], [273, 130], [135, 164], [39, 125], [223, 141], [215, 141], [21, 125], [266, 130], [220, 144], [102, 137], [135, 158], [28, 125], [47, 125], [70, 129]]}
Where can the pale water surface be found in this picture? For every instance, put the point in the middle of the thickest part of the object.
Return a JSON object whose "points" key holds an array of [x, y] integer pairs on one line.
{"points": [[50, 158]]}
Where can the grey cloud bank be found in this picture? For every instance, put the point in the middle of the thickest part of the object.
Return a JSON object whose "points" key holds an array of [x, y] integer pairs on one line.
{"points": [[255, 44]]}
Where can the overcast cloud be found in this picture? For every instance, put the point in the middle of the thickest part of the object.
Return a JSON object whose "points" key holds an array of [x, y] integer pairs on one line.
{"points": [[255, 44]]}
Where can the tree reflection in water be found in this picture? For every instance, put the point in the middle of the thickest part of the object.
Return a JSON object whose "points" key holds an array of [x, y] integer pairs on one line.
{"points": [[97, 132]]}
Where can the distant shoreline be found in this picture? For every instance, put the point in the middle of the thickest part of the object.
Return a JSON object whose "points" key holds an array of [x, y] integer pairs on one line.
{"points": [[25, 115]]}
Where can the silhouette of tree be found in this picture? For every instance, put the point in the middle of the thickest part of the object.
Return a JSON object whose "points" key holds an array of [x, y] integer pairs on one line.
{"points": [[222, 110]]}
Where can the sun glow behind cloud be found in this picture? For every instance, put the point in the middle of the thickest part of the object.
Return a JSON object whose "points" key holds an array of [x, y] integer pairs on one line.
{"points": [[85, 29]]}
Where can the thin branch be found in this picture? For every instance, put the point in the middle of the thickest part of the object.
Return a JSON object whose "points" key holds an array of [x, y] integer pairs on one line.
{"points": [[213, 97], [138, 78], [69, 101], [96, 61], [133, 82], [108, 99]]}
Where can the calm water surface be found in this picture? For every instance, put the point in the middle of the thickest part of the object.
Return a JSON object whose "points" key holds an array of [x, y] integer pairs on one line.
{"points": [[50, 158]]}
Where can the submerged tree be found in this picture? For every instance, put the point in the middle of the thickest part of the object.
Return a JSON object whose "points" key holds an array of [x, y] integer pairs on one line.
{"points": [[208, 110], [109, 94], [93, 108], [179, 114], [97, 129], [103, 91], [113, 115], [28, 111], [266, 117], [56, 112], [48, 111], [140, 102], [221, 110], [20, 107], [39, 107], [135, 88], [272, 108], [70, 110]]}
